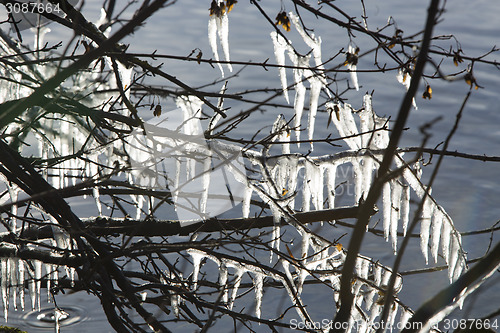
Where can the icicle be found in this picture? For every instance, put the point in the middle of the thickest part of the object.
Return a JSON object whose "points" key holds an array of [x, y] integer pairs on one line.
{"points": [[247, 196], [97, 197], [275, 242], [207, 165], [425, 225], [306, 187], [375, 310], [377, 275], [212, 39], [367, 167], [381, 136], [315, 85], [293, 169], [303, 273], [280, 46], [197, 257], [343, 120], [358, 178], [405, 207], [13, 193], [460, 265], [38, 281], [315, 44], [300, 89], [445, 239], [436, 227], [300, 93], [316, 185], [405, 316], [454, 255], [392, 315], [103, 19], [350, 126], [177, 179], [258, 282], [331, 173], [21, 281], [48, 269], [223, 28], [223, 273], [369, 296], [387, 209], [366, 117], [32, 290], [191, 111], [396, 208], [352, 65], [13, 263], [39, 33], [237, 281], [5, 285]]}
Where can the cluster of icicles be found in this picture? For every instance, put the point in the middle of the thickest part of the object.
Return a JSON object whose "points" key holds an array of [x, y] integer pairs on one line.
{"points": [[368, 287], [17, 273], [58, 136], [281, 176], [315, 179]]}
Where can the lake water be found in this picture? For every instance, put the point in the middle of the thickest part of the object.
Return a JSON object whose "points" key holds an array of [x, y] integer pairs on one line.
{"points": [[468, 190]]}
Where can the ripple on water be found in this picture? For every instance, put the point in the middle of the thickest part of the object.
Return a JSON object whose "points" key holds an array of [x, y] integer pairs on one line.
{"points": [[46, 317]]}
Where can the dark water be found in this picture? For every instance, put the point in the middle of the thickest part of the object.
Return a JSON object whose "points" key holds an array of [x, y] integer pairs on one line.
{"points": [[468, 190]]}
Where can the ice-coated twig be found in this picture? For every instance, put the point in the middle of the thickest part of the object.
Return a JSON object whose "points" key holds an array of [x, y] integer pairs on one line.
{"points": [[315, 44], [439, 316]]}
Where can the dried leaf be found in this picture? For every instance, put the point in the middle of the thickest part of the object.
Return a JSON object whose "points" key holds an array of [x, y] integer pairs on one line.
{"points": [[157, 111], [217, 8], [427, 93], [282, 19], [230, 4]]}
